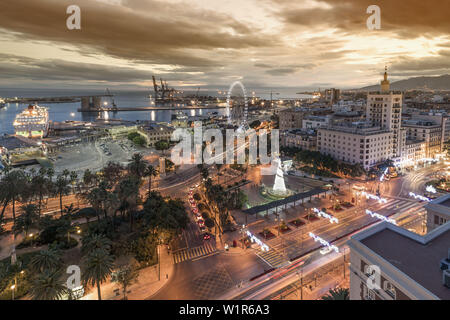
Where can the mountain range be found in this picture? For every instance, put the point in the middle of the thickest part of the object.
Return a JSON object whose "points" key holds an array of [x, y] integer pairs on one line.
{"points": [[419, 83]]}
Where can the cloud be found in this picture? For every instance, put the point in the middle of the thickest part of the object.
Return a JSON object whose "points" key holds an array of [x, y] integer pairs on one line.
{"points": [[144, 31], [434, 65], [405, 19]]}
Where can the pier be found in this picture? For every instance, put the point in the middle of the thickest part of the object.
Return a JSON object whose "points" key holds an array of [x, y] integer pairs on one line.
{"points": [[59, 99], [155, 108]]}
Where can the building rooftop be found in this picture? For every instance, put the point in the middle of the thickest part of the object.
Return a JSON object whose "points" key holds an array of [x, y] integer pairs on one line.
{"points": [[419, 260], [419, 123], [440, 205], [384, 93], [13, 142], [360, 128]]}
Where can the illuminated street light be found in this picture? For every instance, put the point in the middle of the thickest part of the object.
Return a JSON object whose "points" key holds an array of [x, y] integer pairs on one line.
{"points": [[326, 216], [323, 242], [371, 196], [418, 196], [380, 217]]}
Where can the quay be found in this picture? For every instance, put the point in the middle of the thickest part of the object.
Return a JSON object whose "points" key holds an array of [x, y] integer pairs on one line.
{"points": [[155, 108]]}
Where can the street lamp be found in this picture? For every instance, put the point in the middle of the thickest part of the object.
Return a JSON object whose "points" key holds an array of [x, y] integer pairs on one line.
{"points": [[13, 287]]}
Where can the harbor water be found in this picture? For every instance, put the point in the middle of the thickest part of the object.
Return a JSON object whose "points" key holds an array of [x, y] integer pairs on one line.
{"points": [[59, 112]]}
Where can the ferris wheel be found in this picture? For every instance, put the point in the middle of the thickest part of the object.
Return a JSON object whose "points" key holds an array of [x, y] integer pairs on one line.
{"points": [[237, 106]]}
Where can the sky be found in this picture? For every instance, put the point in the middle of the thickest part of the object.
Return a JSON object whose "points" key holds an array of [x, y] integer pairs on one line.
{"points": [[304, 44]]}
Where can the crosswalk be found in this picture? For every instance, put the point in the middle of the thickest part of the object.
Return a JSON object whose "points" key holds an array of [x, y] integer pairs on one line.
{"points": [[273, 258], [398, 205], [192, 253]]}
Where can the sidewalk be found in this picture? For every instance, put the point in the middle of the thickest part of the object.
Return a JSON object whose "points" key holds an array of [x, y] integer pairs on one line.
{"points": [[149, 282]]}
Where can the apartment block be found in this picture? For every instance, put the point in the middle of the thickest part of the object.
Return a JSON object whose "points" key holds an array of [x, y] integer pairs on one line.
{"points": [[357, 143], [388, 262], [438, 212], [428, 131], [303, 139]]}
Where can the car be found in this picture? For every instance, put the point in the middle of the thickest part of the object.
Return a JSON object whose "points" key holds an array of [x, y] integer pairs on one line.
{"points": [[194, 210], [206, 236], [202, 228]]}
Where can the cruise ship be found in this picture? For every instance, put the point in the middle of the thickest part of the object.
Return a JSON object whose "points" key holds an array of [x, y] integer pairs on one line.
{"points": [[32, 122]]}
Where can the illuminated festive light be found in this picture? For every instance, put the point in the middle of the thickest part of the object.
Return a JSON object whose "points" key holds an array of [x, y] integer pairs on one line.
{"points": [[371, 196], [431, 189], [263, 246], [417, 196], [381, 217], [326, 216], [323, 242]]}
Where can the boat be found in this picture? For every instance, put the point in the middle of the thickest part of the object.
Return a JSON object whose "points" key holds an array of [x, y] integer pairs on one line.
{"points": [[32, 122]]}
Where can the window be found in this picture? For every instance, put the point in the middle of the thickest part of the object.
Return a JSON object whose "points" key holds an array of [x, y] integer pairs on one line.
{"points": [[390, 289], [368, 294]]}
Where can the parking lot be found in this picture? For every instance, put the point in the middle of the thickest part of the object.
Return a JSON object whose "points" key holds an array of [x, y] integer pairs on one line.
{"points": [[93, 156]]}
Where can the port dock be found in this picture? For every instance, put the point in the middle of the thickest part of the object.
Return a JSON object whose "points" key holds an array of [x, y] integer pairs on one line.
{"points": [[155, 108]]}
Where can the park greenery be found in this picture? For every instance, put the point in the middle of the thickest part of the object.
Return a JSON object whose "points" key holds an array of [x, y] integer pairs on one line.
{"points": [[162, 145], [137, 139], [220, 201], [119, 224], [317, 163]]}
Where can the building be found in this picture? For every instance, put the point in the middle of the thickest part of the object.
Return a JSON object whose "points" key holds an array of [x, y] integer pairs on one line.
{"points": [[440, 117], [121, 131], [413, 152], [356, 143], [303, 139], [388, 262], [332, 95], [179, 120], [32, 122], [384, 109], [156, 132], [17, 150], [438, 212], [293, 118], [425, 130], [347, 117], [313, 122]]}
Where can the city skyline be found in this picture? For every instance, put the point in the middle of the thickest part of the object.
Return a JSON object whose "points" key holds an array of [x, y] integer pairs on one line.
{"points": [[302, 44]]}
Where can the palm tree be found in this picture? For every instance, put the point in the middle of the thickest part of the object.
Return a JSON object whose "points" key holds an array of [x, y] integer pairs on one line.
{"points": [[337, 294], [150, 172], [128, 193], [14, 183], [48, 286], [137, 165], [62, 189], [4, 197], [46, 261], [89, 179], [28, 219], [39, 186], [112, 204], [125, 277], [95, 241], [98, 267]]}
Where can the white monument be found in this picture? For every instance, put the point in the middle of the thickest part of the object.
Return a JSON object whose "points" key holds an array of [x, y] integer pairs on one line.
{"points": [[279, 187]]}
